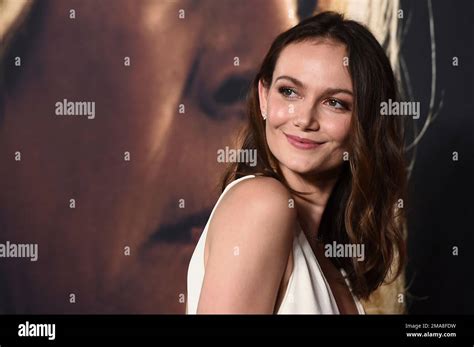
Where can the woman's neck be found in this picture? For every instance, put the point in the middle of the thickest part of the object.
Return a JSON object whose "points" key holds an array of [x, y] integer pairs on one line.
{"points": [[310, 206]]}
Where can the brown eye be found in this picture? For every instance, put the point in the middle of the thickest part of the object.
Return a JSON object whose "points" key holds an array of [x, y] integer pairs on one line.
{"points": [[287, 92], [334, 103]]}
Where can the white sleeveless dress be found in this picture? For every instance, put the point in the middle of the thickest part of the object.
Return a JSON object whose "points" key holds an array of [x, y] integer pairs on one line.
{"points": [[308, 291]]}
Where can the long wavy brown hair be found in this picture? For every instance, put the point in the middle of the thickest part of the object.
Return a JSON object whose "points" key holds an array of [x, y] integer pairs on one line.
{"points": [[364, 205]]}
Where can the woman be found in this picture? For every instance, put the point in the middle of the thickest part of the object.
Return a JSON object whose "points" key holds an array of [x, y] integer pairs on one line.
{"points": [[330, 171]]}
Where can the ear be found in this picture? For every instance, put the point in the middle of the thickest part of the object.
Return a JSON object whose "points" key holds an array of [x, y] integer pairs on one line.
{"points": [[262, 97]]}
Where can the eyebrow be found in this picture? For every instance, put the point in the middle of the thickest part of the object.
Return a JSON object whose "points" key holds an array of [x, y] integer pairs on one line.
{"points": [[328, 91]]}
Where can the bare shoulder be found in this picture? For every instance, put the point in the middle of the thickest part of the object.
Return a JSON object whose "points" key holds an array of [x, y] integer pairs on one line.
{"points": [[260, 199], [249, 241], [259, 192]]}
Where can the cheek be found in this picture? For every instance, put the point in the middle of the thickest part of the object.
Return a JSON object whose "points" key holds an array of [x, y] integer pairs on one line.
{"points": [[279, 111], [338, 128]]}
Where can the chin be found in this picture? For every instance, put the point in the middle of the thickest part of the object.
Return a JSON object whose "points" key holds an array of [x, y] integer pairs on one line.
{"points": [[302, 168]]}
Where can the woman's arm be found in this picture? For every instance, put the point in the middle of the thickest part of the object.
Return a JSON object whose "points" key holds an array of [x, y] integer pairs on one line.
{"points": [[249, 241]]}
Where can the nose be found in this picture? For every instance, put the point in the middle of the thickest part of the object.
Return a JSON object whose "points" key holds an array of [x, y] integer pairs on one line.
{"points": [[237, 36], [306, 118]]}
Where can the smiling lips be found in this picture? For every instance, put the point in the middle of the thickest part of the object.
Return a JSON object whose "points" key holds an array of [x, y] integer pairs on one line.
{"points": [[302, 143]]}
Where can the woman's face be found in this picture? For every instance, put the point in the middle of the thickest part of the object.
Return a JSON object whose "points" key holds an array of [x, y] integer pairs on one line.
{"points": [[310, 98]]}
